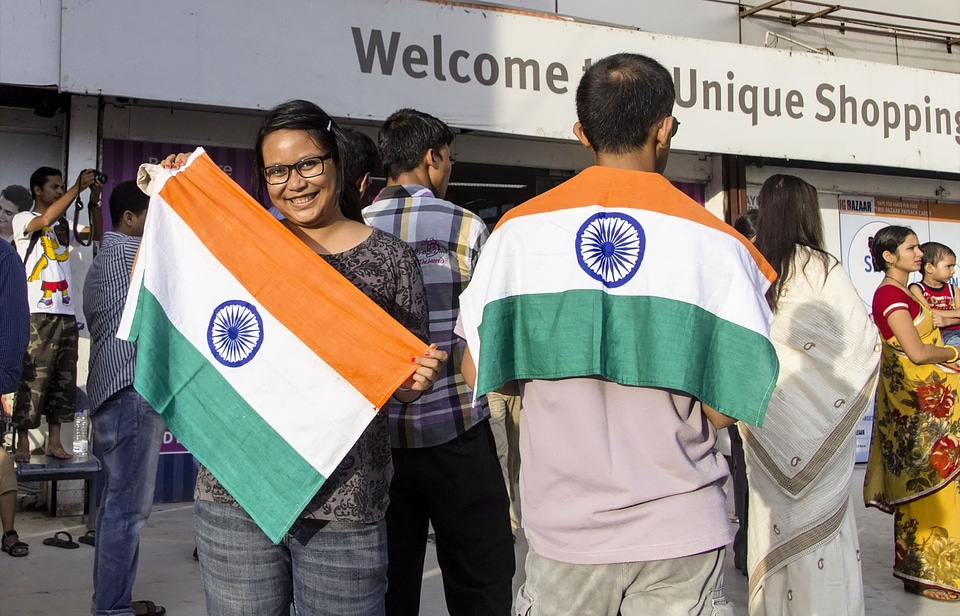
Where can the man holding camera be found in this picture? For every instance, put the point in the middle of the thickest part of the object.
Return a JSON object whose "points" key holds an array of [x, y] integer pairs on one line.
{"points": [[42, 236]]}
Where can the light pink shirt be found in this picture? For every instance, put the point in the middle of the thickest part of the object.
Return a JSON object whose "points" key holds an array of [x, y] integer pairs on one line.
{"points": [[614, 474]]}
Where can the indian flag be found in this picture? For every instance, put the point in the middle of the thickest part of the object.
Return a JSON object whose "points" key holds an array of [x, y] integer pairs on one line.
{"points": [[264, 361], [617, 274]]}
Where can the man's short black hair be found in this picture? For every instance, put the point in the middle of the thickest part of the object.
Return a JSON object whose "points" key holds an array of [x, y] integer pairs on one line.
{"points": [[19, 196], [363, 157], [127, 197], [619, 100], [406, 136], [39, 177]]}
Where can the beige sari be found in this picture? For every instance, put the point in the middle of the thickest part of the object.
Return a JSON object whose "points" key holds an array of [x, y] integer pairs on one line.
{"points": [[802, 540]]}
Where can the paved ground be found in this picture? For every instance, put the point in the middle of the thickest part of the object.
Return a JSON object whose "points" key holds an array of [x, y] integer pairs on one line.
{"points": [[56, 581]]}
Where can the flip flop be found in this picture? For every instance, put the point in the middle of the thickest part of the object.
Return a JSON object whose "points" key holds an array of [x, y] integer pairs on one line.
{"points": [[19, 549], [147, 608], [57, 542], [947, 596], [89, 538]]}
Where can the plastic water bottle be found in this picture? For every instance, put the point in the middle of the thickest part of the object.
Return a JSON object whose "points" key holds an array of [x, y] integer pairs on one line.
{"points": [[81, 429]]}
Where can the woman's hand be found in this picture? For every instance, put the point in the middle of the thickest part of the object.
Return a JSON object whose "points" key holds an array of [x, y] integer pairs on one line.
{"points": [[423, 378], [175, 161]]}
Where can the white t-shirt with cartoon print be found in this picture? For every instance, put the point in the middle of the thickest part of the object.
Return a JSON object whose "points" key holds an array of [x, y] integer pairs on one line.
{"points": [[49, 289]]}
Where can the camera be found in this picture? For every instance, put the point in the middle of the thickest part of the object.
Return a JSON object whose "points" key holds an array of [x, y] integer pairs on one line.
{"points": [[100, 176]]}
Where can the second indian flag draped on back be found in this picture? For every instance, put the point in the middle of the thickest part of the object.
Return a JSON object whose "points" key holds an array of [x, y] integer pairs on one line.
{"points": [[619, 275], [264, 361]]}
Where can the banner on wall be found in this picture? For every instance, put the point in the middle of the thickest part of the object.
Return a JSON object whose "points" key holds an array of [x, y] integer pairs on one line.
{"points": [[122, 159], [862, 216], [505, 72]]}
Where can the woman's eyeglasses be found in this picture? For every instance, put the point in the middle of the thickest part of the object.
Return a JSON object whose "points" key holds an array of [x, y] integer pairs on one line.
{"points": [[307, 168]]}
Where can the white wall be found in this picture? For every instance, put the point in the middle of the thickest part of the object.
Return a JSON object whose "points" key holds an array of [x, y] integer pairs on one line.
{"points": [[28, 142], [30, 42], [693, 18], [719, 20]]}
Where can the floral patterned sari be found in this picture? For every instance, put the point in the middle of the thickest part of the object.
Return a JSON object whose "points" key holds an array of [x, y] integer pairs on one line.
{"points": [[914, 462]]}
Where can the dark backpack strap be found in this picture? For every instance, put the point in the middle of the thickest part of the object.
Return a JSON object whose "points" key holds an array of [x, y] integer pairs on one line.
{"points": [[34, 238]]}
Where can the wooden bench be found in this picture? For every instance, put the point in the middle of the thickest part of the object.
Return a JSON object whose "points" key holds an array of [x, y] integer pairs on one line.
{"points": [[46, 468]]}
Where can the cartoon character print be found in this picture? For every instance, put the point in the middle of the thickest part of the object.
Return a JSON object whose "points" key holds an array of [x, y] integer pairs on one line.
{"points": [[49, 271]]}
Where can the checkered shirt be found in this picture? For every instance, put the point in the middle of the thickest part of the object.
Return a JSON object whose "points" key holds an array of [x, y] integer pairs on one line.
{"points": [[447, 240]]}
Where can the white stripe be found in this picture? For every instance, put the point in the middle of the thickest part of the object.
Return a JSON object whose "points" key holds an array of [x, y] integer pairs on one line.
{"points": [[285, 380], [666, 270]]}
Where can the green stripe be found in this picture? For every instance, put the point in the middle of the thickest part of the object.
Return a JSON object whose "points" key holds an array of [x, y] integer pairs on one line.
{"points": [[269, 479], [632, 340]]}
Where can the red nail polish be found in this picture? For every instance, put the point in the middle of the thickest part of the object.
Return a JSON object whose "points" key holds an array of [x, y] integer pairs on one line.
{"points": [[427, 353], [413, 359]]}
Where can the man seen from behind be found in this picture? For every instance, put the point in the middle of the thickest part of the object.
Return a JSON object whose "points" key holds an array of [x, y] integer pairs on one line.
{"points": [[126, 429]]}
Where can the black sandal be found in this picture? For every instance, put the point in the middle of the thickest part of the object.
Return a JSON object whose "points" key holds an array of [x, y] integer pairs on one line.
{"points": [[89, 538], [57, 542], [18, 549]]}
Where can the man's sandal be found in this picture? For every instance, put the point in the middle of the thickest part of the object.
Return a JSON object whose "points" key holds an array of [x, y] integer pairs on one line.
{"points": [[147, 608], [18, 549], [57, 542]]}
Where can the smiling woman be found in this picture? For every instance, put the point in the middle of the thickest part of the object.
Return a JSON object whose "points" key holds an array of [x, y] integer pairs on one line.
{"points": [[334, 558]]}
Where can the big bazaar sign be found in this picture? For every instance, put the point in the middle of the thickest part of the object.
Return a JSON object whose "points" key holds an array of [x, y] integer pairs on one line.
{"points": [[505, 72]]}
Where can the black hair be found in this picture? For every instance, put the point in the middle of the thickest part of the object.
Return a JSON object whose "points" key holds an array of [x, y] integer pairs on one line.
{"points": [[39, 177], [619, 100], [19, 196], [363, 157], [406, 136], [305, 116], [933, 253], [127, 197], [887, 239], [746, 224], [789, 217]]}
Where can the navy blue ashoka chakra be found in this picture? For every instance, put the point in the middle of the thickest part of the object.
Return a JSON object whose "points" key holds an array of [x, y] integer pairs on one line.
{"points": [[235, 333], [610, 247]]}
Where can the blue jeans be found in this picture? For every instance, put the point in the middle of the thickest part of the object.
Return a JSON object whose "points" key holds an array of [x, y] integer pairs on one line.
{"points": [[128, 433], [334, 568]]}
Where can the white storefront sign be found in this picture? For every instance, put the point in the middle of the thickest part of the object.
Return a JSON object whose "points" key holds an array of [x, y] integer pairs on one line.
{"points": [[505, 73]]}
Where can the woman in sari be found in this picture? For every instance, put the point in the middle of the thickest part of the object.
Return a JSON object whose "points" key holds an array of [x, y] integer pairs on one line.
{"points": [[803, 553], [914, 459]]}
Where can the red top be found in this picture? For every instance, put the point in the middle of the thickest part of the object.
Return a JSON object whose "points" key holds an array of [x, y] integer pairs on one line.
{"points": [[938, 299], [887, 299]]}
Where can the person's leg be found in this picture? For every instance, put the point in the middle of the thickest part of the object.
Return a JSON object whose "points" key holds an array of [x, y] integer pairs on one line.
{"points": [[340, 570], [470, 514], [687, 586], [128, 433], [553, 588], [60, 401], [243, 572], [407, 525], [738, 474], [499, 411], [8, 497], [37, 360]]}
